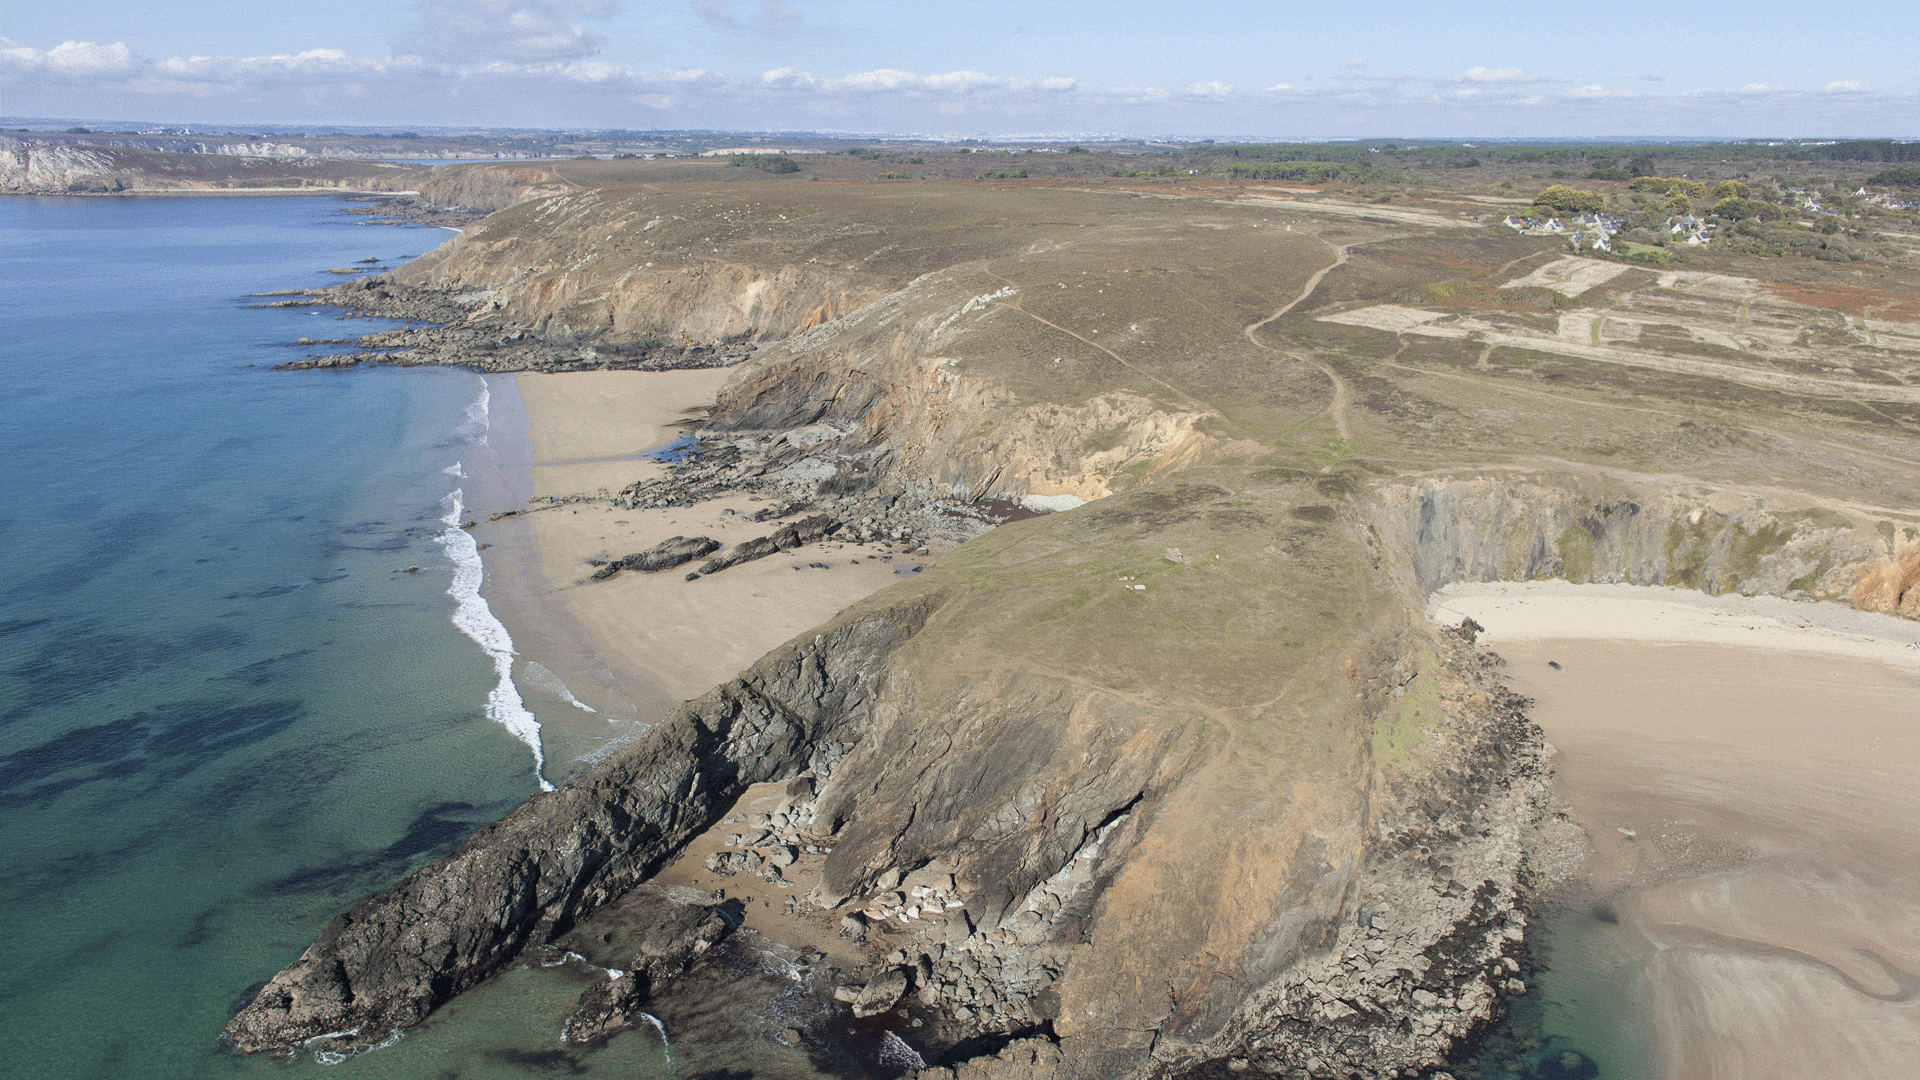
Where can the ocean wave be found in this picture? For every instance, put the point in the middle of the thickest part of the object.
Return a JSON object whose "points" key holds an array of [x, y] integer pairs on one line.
{"points": [[477, 423], [475, 619], [540, 675]]}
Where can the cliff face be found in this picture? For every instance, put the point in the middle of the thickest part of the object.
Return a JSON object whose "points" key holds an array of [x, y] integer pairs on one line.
{"points": [[487, 187], [49, 168], [1590, 526], [27, 170]]}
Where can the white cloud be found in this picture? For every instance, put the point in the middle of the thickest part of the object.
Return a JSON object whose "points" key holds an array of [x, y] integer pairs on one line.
{"points": [[544, 74], [70, 60], [774, 15], [1503, 75], [524, 31]]}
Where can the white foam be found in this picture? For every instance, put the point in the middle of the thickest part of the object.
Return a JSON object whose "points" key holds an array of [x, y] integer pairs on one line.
{"points": [[455, 469], [335, 1057], [665, 1047], [477, 425], [1051, 504], [540, 675], [476, 620]]}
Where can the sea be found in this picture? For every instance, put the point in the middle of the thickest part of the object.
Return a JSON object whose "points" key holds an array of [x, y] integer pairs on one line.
{"points": [[249, 675]]}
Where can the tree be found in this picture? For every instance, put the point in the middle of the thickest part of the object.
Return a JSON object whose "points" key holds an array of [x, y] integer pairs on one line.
{"points": [[1743, 209], [1680, 204], [1569, 201], [1642, 166], [1732, 189], [1901, 176]]}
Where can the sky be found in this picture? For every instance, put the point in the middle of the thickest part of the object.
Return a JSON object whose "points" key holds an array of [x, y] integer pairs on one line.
{"points": [[971, 68]]}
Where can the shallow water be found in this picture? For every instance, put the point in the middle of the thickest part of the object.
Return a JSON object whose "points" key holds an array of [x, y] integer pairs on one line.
{"points": [[227, 707], [249, 672]]}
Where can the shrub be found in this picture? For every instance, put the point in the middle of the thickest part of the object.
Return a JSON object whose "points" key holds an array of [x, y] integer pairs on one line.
{"points": [[772, 163], [1746, 209], [1732, 189], [1569, 201], [1670, 185], [1899, 176]]}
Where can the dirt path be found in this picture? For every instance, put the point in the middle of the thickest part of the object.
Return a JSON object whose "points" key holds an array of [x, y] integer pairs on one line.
{"points": [[1339, 405]]}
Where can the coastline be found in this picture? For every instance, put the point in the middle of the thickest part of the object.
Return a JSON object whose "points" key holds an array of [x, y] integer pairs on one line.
{"points": [[1744, 769], [602, 661]]}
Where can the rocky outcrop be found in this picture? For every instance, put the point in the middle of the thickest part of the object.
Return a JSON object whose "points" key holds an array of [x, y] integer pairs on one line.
{"points": [[50, 168], [667, 554], [529, 877], [450, 333], [1890, 584], [672, 935], [1034, 826], [805, 531]]}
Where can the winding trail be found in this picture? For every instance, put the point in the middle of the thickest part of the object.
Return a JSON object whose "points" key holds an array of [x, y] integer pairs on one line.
{"points": [[1338, 407]]}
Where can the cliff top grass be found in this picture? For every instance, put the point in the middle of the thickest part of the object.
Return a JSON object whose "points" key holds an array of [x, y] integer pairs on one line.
{"points": [[1060, 294]]}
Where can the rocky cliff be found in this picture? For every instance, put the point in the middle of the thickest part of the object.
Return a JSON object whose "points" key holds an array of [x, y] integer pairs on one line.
{"points": [[1176, 783], [487, 187], [49, 168], [1071, 790], [1596, 526], [37, 169]]}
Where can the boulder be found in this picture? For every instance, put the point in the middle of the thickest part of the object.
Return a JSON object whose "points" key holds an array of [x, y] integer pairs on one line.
{"points": [[883, 993]]}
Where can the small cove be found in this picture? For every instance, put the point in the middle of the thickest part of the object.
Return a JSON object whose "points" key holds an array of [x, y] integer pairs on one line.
{"points": [[1747, 904]]}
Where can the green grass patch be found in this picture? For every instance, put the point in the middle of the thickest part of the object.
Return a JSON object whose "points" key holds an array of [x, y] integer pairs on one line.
{"points": [[1397, 731], [1576, 554]]}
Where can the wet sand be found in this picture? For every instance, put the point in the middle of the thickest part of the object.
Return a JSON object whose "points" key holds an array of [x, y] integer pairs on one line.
{"points": [[1749, 774]]}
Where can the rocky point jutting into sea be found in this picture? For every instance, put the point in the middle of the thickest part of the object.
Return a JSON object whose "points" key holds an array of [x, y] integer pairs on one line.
{"points": [[1177, 782]]}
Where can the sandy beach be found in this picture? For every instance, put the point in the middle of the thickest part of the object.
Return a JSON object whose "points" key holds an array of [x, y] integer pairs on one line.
{"points": [[635, 646], [1749, 773]]}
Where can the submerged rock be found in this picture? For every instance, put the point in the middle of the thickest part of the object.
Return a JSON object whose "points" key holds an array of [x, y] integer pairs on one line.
{"points": [[673, 935]]}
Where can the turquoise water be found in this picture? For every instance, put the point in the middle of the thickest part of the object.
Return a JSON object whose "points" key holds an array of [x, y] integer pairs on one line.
{"points": [[227, 707], [1583, 1017]]}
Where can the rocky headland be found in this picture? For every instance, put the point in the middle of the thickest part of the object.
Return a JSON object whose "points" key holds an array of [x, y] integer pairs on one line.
{"points": [[1177, 782]]}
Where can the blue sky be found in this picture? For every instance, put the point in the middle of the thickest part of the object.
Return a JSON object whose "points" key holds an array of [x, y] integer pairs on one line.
{"points": [[1196, 69]]}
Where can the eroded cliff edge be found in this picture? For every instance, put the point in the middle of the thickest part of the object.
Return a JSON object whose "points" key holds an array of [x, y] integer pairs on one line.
{"points": [[1208, 791]]}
